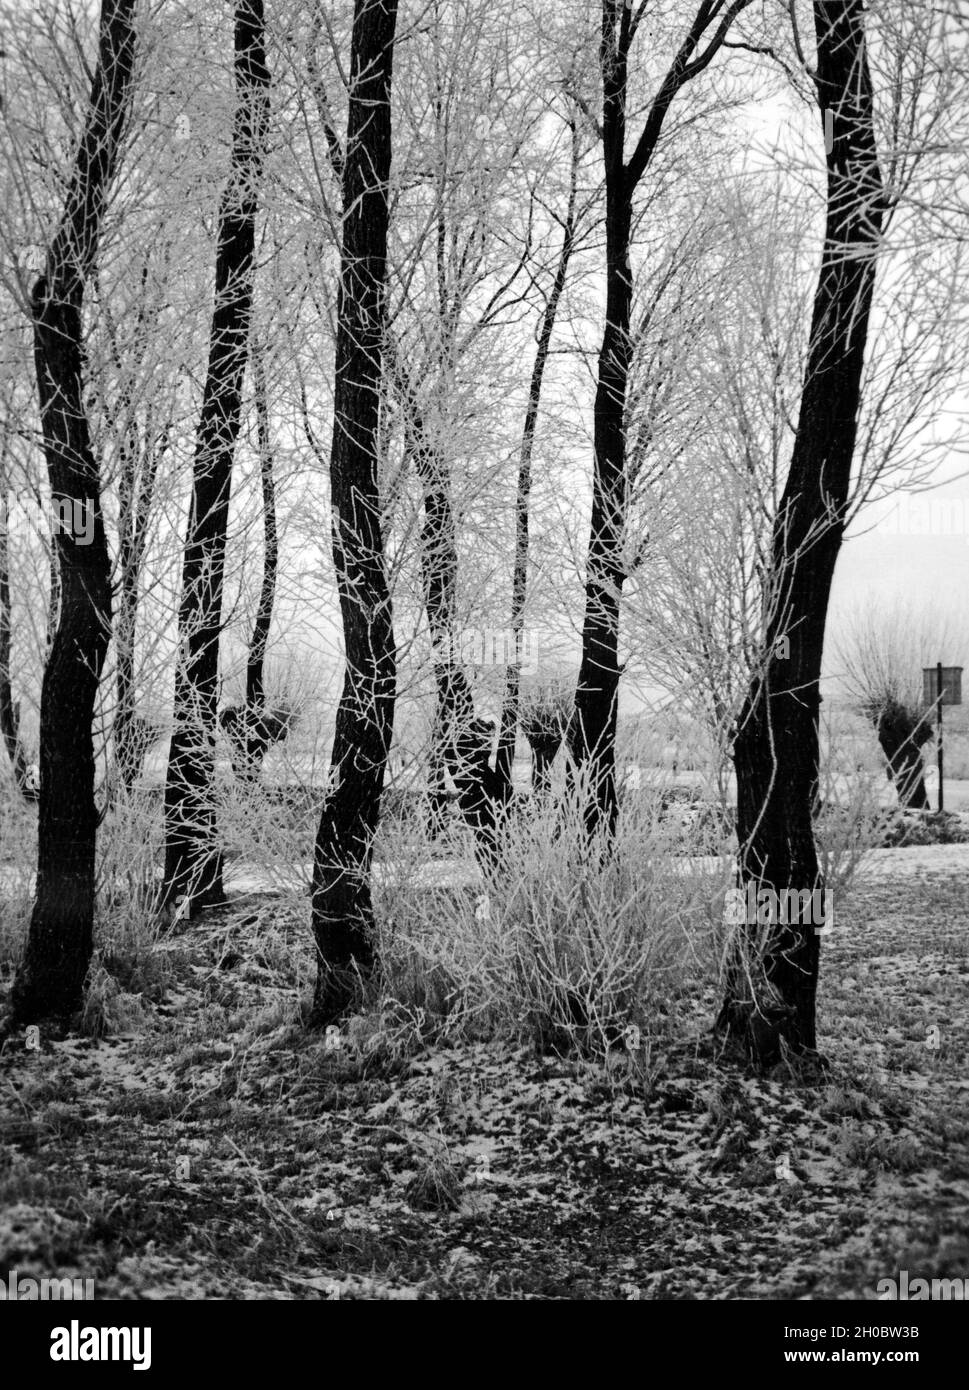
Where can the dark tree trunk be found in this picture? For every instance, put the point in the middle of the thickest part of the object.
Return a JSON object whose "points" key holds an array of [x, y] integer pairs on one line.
{"points": [[251, 735], [482, 794], [437, 794], [439, 575], [342, 907], [545, 721], [193, 861], [259, 641], [141, 450], [901, 734], [253, 729], [132, 736], [126, 753], [50, 980], [9, 708], [543, 756], [592, 734], [505, 756], [461, 743], [776, 751], [908, 774]]}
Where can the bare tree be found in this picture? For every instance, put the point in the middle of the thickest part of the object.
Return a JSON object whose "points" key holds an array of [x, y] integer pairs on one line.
{"points": [[725, 348], [59, 943], [592, 736], [770, 1004], [468, 273], [136, 422], [461, 165], [9, 708], [252, 728], [342, 907], [193, 862], [519, 583]]}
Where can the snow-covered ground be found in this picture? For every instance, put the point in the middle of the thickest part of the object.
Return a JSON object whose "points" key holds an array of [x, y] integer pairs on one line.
{"points": [[243, 876], [209, 1146], [916, 862], [282, 768]]}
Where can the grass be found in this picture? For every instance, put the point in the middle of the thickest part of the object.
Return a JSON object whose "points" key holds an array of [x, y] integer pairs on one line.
{"points": [[560, 950]]}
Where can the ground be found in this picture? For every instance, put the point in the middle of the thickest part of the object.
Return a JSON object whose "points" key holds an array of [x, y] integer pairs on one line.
{"points": [[212, 1148]]}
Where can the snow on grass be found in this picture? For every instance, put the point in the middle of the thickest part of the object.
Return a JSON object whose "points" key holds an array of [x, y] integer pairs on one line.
{"points": [[221, 1151]]}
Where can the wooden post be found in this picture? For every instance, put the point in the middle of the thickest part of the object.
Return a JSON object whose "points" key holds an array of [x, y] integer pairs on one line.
{"points": [[938, 670]]}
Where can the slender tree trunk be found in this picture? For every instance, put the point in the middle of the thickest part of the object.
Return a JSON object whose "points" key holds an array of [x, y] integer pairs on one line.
{"points": [[193, 861], [127, 759], [461, 743], [50, 980], [592, 733], [437, 792], [255, 692], [130, 733], [770, 999], [505, 756], [140, 456], [343, 920], [9, 708], [252, 730]]}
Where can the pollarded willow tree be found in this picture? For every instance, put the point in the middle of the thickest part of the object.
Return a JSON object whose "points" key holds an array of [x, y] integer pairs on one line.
{"points": [[60, 939], [880, 654], [342, 905]]}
